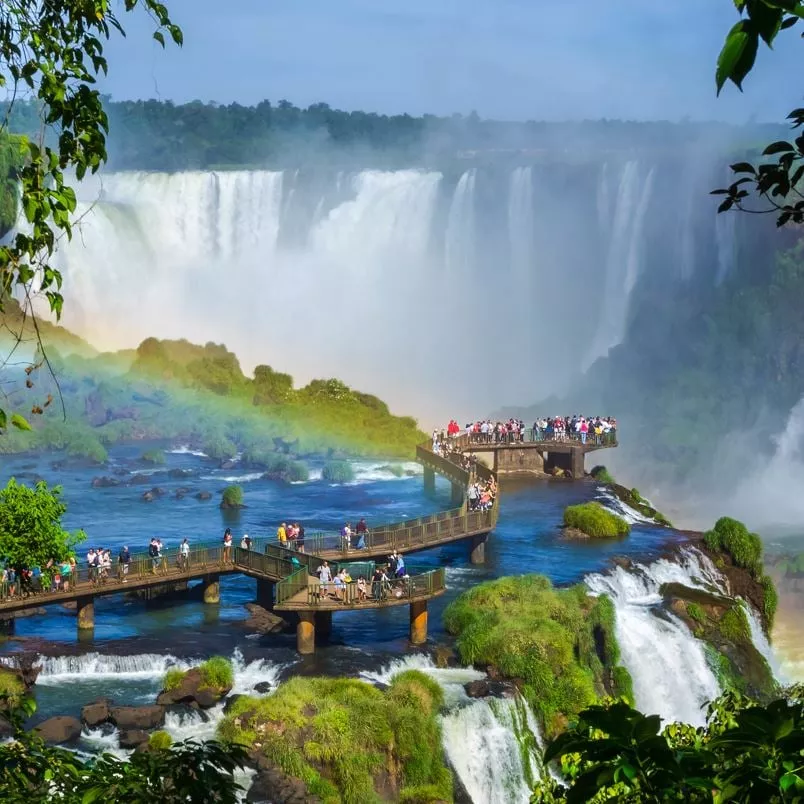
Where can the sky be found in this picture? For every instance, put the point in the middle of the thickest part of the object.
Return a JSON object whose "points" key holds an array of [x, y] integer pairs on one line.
{"points": [[505, 59]]}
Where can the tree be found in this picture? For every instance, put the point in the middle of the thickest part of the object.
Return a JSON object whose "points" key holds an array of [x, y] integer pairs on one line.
{"points": [[187, 771], [30, 525], [53, 51], [746, 753], [776, 183]]}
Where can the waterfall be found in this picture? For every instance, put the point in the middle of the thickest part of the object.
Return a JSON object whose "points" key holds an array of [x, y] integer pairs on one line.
{"points": [[625, 253], [57, 670], [726, 239], [520, 227], [493, 745], [460, 244], [667, 664]]}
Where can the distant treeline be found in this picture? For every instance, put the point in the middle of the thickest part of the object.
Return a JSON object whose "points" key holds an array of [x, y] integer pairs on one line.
{"points": [[161, 135]]}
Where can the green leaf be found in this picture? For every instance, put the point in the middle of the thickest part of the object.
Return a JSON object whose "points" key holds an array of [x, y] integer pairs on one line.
{"points": [[159, 36], [738, 55], [3, 419], [777, 148], [743, 167], [788, 780], [19, 422], [766, 19]]}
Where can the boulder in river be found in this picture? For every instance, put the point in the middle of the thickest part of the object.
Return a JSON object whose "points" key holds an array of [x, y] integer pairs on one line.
{"points": [[275, 786], [192, 689], [133, 738], [264, 621], [137, 717], [204, 495], [58, 730], [180, 473], [488, 688], [140, 479], [104, 482], [263, 688], [96, 713]]}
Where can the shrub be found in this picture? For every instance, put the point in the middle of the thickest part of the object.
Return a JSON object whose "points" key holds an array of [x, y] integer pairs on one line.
{"points": [[153, 456], [160, 741], [594, 520], [732, 537], [232, 497], [173, 679], [338, 472], [696, 613], [217, 672], [770, 600], [11, 685], [601, 474], [733, 625]]}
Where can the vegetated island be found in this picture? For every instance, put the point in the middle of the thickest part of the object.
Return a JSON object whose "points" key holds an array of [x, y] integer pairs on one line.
{"points": [[179, 391]]}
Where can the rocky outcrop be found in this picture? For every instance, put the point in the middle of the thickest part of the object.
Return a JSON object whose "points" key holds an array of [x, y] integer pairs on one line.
{"points": [[721, 623], [96, 713], [204, 495], [133, 738], [104, 482], [191, 690], [137, 717], [273, 786], [263, 621], [180, 473], [59, 730], [152, 494], [490, 688]]}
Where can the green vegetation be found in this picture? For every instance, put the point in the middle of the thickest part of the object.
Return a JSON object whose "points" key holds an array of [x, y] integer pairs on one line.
{"points": [[601, 474], [734, 625], [30, 525], [160, 741], [770, 600], [560, 642], [31, 771], [594, 520], [696, 612], [217, 673], [173, 679], [11, 688], [232, 497], [154, 456], [338, 472], [348, 741], [732, 537], [746, 753]]}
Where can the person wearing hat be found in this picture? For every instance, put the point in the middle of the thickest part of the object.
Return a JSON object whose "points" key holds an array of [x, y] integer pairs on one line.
{"points": [[282, 534]]}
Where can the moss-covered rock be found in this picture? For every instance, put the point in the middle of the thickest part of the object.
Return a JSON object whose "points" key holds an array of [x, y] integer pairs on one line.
{"points": [[721, 623], [348, 741], [232, 497], [338, 472], [732, 537], [595, 521], [558, 644]]}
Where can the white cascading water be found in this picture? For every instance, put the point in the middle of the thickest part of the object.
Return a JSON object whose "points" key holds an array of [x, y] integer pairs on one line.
{"points": [[625, 252], [459, 244], [667, 664], [726, 240], [492, 743]]}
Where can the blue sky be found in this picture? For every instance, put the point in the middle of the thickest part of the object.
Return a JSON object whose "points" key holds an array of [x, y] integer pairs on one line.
{"points": [[506, 59]]}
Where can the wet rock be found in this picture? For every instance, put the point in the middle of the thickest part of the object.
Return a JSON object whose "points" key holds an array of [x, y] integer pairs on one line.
{"points": [[182, 492], [444, 656], [140, 480], [573, 533], [263, 687], [133, 738], [231, 701], [180, 473], [192, 689], [137, 717], [59, 730], [104, 482], [96, 713], [264, 621], [152, 494], [204, 495], [487, 688], [27, 669], [70, 605], [273, 786]]}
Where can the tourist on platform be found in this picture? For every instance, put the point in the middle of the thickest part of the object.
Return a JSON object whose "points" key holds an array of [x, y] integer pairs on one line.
{"points": [[67, 573], [400, 565], [392, 562], [123, 564], [362, 592], [339, 587], [227, 545], [11, 580], [184, 555], [299, 537], [324, 576], [282, 535], [376, 583], [362, 533], [245, 542], [346, 537]]}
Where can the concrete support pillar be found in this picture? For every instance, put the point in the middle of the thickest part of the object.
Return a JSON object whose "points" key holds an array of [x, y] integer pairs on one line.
{"points": [[418, 622], [496, 463], [305, 633], [265, 593], [85, 609], [323, 623], [212, 589], [429, 481], [456, 500], [477, 554], [577, 463]]}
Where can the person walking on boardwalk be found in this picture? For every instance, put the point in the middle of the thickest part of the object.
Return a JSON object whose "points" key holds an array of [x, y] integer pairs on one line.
{"points": [[227, 546], [282, 535], [153, 552], [362, 532], [184, 555], [300, 537], [123, 562]]}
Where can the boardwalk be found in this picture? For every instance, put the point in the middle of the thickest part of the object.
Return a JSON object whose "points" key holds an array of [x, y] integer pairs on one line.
{"points": [[286, 578]]}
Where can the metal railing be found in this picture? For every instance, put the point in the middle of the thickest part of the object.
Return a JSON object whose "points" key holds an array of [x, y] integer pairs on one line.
{"points": [[320, 595], [292, 585], [533, 435]]}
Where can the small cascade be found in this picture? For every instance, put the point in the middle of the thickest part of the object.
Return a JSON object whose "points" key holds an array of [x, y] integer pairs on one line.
{"points": [[726, 241], [611, 501], [493, 745], [762, 644], [59, 669], [671, 675]]}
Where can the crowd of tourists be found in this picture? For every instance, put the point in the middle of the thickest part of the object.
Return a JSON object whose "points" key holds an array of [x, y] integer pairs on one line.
{"points": [[291, 536], [388, 580], [480, 495], [585, 429]]}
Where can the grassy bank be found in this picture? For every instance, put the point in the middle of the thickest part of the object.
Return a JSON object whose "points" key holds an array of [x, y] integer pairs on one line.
{"points": [[595, 521]]}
